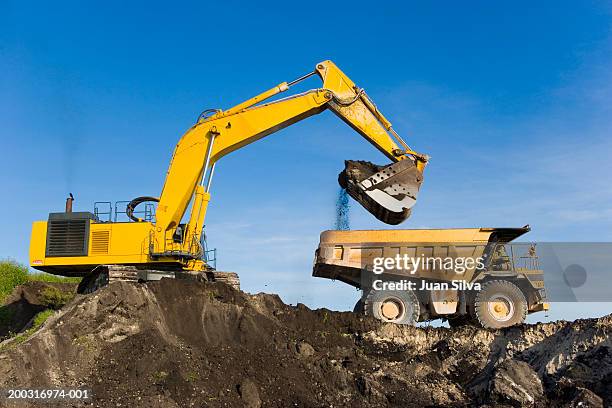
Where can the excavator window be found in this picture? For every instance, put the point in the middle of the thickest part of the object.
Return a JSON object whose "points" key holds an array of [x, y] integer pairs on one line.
{"points": [[178, 234]]}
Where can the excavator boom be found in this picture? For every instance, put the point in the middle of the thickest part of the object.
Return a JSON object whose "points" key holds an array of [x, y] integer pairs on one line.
{"points": [[388, 192]]}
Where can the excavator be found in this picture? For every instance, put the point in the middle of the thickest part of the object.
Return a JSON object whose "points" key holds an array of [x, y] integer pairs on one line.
{"points": [[81, 244]]}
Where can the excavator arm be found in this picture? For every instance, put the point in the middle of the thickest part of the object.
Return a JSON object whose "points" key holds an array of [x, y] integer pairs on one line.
{"points": [[386, 191]]}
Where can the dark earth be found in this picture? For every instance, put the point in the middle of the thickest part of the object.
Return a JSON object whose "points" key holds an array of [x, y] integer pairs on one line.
{"points": [[26, 301], [179, 343]]}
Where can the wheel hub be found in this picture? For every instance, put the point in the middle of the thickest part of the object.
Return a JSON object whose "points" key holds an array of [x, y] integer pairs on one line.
{"points": [[391, 309], [501, 307]]}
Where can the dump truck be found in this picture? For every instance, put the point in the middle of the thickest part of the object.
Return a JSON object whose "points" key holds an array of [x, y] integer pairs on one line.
{"points": [[465, 276], [167, 239]]}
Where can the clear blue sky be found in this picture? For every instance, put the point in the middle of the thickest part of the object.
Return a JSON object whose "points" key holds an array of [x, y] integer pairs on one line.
{"points": [[512, 101]]}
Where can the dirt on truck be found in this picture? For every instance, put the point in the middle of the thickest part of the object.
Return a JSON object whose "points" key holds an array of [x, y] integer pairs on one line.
{"points": [[177, 343]]}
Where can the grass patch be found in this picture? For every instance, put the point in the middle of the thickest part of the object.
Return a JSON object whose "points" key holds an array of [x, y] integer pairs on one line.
{"points": [[47, 277], [38, 321], [159, 376], [192, 376], [13, 274], [85, 342], [40, 318], [325, 317], [53, 298]]}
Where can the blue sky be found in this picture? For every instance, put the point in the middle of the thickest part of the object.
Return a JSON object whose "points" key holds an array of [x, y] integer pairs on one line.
{"points": [[512, 101]]}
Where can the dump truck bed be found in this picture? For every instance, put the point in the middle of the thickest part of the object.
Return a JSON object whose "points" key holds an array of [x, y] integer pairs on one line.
{"points": [[343, 255]]}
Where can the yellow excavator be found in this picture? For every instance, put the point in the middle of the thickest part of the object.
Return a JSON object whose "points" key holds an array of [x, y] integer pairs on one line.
{"points": [[82, 244]]}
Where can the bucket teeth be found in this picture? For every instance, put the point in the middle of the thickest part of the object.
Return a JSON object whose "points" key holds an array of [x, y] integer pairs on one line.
{"points": [[388, 192]]}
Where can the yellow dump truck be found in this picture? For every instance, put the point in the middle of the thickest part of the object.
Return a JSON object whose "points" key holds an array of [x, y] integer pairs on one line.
{"points": [[471, 275]]}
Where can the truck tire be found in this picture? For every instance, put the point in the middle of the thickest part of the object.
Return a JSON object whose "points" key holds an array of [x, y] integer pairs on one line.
{"points": [[500, 304], [393, 306], [359, 307]]}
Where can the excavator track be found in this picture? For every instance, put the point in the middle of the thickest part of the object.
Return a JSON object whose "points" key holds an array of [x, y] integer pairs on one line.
{"points": [[229, 278], [102, 275], [105, 274], [122, 273]]}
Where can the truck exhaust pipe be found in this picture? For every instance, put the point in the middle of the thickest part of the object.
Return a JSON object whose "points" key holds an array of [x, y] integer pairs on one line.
{"points": [[69, 201]]}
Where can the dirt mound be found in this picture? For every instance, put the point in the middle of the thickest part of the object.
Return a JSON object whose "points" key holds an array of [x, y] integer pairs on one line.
{"points": [[27, 300], [179, 343]]}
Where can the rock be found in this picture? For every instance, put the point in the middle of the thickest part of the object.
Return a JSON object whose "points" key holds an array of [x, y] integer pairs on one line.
{"points": [[585, 398], [364, 386], [304, 349], [568, 394], [249, 393], [516, 383]]}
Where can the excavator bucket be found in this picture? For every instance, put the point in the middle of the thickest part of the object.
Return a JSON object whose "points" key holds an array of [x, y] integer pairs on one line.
{"points": [[388, 192]]}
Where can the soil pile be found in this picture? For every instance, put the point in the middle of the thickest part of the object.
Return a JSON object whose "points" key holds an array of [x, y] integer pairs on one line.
{"points": [[179, 343], [26, 301]]}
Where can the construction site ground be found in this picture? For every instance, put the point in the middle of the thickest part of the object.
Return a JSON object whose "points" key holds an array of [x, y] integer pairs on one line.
{"points": [[179, 343]]}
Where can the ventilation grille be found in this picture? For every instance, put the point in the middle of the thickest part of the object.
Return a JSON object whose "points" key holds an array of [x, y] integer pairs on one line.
{"points": [[67, 237], [100, 242]]}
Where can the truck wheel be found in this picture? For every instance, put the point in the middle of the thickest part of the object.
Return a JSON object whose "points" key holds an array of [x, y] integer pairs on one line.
{"points": [[359, 307], [393, 306], [500, 304]]}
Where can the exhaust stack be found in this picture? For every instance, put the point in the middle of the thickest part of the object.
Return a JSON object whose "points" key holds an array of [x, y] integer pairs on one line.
{"points": [[69, 201]]}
